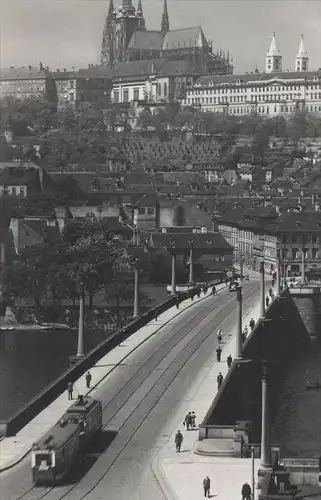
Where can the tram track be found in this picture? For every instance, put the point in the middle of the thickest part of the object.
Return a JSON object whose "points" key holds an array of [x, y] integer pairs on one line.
{"points": [[179, 348]]}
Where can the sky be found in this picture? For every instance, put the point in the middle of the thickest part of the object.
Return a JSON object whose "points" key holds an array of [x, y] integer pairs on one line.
{"points": [[67, 33]]}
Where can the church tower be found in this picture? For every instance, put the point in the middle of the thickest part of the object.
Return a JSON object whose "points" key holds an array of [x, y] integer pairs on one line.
{"points": [[141, 24], [302, 59], [165, 19], [273, 59], [107, 46]]}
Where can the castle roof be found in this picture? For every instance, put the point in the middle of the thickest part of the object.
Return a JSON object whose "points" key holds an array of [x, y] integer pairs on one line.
{"points": [[146, 40], [187, 37], [259, 77], [274, 49], [159, 67]]}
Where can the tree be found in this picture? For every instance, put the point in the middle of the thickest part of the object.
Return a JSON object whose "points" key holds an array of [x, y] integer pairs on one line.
{"points": [[145, 119], [93, 256]]}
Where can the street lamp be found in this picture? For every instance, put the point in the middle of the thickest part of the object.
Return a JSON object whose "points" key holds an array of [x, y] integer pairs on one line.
{"points": [[80, 345], [173, 284], [136, 290], [262, 291], [191, 270], [253, 473], [238, 353]]}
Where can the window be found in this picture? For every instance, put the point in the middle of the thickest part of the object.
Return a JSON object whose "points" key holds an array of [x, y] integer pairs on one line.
{"points": [[72, 84], [125, 95], [136, 94], [150, 210], [116, 95], [165, 89], [141, 211]]}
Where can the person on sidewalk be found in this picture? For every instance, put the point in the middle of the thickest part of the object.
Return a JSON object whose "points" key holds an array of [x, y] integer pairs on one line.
{"points": [[246, 492], [252, 323], [218, 353], [88, 379], [270, 291], [199, 292], [207, 486], [188, 420], [267, 301], [214, 292], [193, 419], [219, 380], [219, 336], [177, 302], [229, 361], [178, 441], [70, 389]]}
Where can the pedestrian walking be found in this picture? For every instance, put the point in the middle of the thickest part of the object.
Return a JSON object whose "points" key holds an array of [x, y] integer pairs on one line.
{"points": [[88, 379], [70, 388], [199, 292], [219, 380], [207, 487], [246, 492], [177, 302], [178, 441], [219, 336], [214, 292], [229, 361], [218, 353], [188, 420], [267, 301], [193, 419], [252, 323]]}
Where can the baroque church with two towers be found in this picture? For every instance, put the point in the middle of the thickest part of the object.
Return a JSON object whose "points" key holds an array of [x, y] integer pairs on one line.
{"points": [[126, 39]]}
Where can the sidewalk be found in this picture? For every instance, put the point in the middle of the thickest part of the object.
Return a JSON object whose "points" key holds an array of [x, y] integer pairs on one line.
{"points": [[14, 449], [181, 476]]}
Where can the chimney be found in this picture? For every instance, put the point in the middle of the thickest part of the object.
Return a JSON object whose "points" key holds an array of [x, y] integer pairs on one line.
{"points": [[47, 68], [29, 68], [65, 70], [58, 70]]}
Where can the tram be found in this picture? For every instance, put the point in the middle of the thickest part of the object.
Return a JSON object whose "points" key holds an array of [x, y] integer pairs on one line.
{"points": [[61, 447]]}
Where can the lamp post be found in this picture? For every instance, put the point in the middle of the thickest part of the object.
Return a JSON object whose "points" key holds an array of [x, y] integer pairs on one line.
{"points": [[80, 344], [238, 353], [278, 272], [191, 270], [136, 290], [303, 266], [266, 459], [173, 285], [262, 291], [241, 266], [253, 473]]}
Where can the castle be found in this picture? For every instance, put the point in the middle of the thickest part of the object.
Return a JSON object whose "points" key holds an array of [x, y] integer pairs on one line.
{"points": [[126, 39]]}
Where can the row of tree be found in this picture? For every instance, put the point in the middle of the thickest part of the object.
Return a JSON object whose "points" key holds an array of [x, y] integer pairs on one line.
{"points": [[52, 272]]}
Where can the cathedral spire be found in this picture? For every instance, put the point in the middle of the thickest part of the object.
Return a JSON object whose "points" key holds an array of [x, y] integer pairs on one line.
{"points": [[165, 19], [302, 59], [107, 47], [273, 59], [141, 25]]}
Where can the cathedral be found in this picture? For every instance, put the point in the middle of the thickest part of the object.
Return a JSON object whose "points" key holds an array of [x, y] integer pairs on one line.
{"points": [[126, 39]]}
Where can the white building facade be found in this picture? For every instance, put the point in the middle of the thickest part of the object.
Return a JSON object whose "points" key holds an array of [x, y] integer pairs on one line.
{"points": [[271, 93]]}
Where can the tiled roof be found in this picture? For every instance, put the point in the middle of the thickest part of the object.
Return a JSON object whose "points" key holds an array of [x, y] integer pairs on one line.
{"points": [[24, 73], [146, 40], [258, 77], [94, 72], [187, 37], [160, 67]]}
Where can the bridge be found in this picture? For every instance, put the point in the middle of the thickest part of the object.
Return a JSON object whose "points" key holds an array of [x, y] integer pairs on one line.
{"points": [[150, 381]]}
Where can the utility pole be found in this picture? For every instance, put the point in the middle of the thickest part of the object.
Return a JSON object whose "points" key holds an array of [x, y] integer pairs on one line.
{"points": [[238, 353], [136, 290]]}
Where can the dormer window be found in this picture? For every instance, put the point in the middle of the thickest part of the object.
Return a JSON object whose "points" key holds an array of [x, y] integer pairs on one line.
{"points": [[298, 224], [209, 242], [172, 242]]}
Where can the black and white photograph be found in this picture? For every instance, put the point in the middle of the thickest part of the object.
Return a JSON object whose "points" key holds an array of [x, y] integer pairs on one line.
{"points": [[160, 249]]}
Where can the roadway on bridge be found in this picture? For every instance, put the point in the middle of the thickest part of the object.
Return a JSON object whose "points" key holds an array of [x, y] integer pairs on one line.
{"points": [[139, 401]]}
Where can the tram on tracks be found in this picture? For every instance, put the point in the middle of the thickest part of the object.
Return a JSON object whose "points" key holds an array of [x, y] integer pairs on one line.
{"points": [[60, 448]]}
